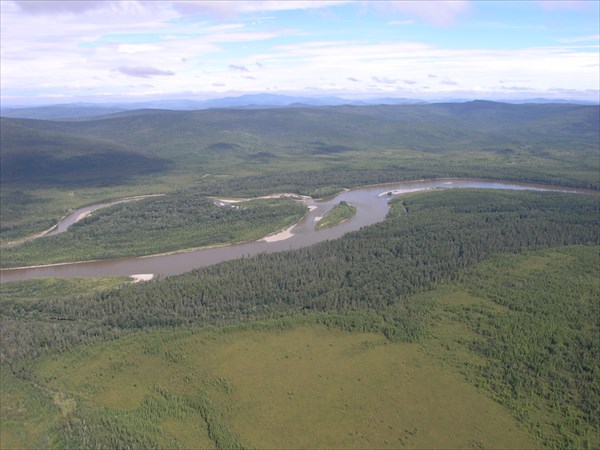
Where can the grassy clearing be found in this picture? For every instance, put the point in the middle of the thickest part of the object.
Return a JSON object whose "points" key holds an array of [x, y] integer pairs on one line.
{"points": [[339, 213], [28, 414], [307, 387], [524, 329], [35, 290]]}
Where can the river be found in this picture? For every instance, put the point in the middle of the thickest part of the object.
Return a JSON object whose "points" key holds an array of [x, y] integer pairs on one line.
{"points": [[371, 207], [81, 213]]}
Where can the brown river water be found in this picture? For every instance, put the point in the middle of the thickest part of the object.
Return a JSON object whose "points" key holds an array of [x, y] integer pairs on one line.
{"points": [[371, 207]]}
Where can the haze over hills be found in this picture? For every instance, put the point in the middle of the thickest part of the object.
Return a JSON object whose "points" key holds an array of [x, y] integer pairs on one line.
{"points": [[85, 110], [70, 111]]}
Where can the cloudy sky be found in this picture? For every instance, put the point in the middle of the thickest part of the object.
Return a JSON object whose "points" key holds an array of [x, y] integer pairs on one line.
{"points": [[64, 51]]}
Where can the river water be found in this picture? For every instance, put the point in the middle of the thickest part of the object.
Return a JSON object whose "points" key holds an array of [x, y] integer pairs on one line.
{"points": [[371, 207], [80, 213]]}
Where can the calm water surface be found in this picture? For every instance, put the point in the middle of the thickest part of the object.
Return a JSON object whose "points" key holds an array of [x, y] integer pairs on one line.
{"points": [[371, 205], [76, 215]]}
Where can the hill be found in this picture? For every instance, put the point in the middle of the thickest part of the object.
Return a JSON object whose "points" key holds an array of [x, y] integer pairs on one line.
{"points": [[240, 136], [60, 112], [316, 151], [38, 156], [88, 110]]}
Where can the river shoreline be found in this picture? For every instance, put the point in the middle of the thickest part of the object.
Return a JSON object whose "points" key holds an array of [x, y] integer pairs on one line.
{"points": [[75, 216], [371, 202]]}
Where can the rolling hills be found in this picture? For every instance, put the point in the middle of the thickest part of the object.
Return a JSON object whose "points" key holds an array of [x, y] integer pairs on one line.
{"points": [[322, 137], [464, 313], [316, 151]]}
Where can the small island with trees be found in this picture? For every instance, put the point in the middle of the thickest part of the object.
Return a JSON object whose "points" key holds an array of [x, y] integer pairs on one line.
{"points": [[338, 214]]}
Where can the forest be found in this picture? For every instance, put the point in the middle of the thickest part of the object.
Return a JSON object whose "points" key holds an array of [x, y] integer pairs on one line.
{"points": [[158, 225], [393, 278]]}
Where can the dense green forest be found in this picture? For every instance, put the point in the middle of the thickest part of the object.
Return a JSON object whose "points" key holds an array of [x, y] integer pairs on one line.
{"points": [[543, 348], [379, 279], [425, 241], [158, 225]]}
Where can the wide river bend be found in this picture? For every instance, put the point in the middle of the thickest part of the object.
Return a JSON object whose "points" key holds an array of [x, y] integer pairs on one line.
{"points": [[371, 207]]}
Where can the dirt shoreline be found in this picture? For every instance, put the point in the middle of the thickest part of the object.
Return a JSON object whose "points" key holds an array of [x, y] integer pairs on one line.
{"points": [[281, 236], [226, 201], [141, 277]]}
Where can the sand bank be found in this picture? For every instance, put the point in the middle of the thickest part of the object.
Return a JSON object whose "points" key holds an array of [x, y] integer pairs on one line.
{"points": [[281, 236], [141, 277]]}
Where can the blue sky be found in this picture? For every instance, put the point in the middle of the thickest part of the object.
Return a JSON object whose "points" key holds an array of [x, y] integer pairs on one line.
{"points": [[64, 51]]}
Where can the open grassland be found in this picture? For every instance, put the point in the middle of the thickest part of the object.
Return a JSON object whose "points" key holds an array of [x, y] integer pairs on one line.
{"points": [[482, 376], [58, 287], [49, 167], [339, 213], [29, 415], [524, 329], [157, 225], [308, 387]]}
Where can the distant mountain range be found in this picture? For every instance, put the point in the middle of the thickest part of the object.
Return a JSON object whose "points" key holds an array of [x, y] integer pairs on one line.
{"points": [[74, 111]]}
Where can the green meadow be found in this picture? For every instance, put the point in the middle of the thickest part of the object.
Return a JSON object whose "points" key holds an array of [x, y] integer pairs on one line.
{"points": [[303, 387], [496, 368]]}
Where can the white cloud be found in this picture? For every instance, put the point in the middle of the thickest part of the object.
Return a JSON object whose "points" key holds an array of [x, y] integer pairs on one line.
{"points": [[238, 68], [592, 38], [76, 50], [400, 22], [137, 48], [226, 9], [384, 80], [62, 7], [516, 88], [143, 71], [563, 4], [449, 82], [439, 13]]}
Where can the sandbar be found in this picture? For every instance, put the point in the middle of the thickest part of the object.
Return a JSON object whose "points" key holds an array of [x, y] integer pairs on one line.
{"points": [[141, 277], [82, 216], [281, 236]]}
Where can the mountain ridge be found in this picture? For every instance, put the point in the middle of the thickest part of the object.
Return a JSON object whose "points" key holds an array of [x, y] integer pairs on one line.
{"points": [[87, 110]]}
